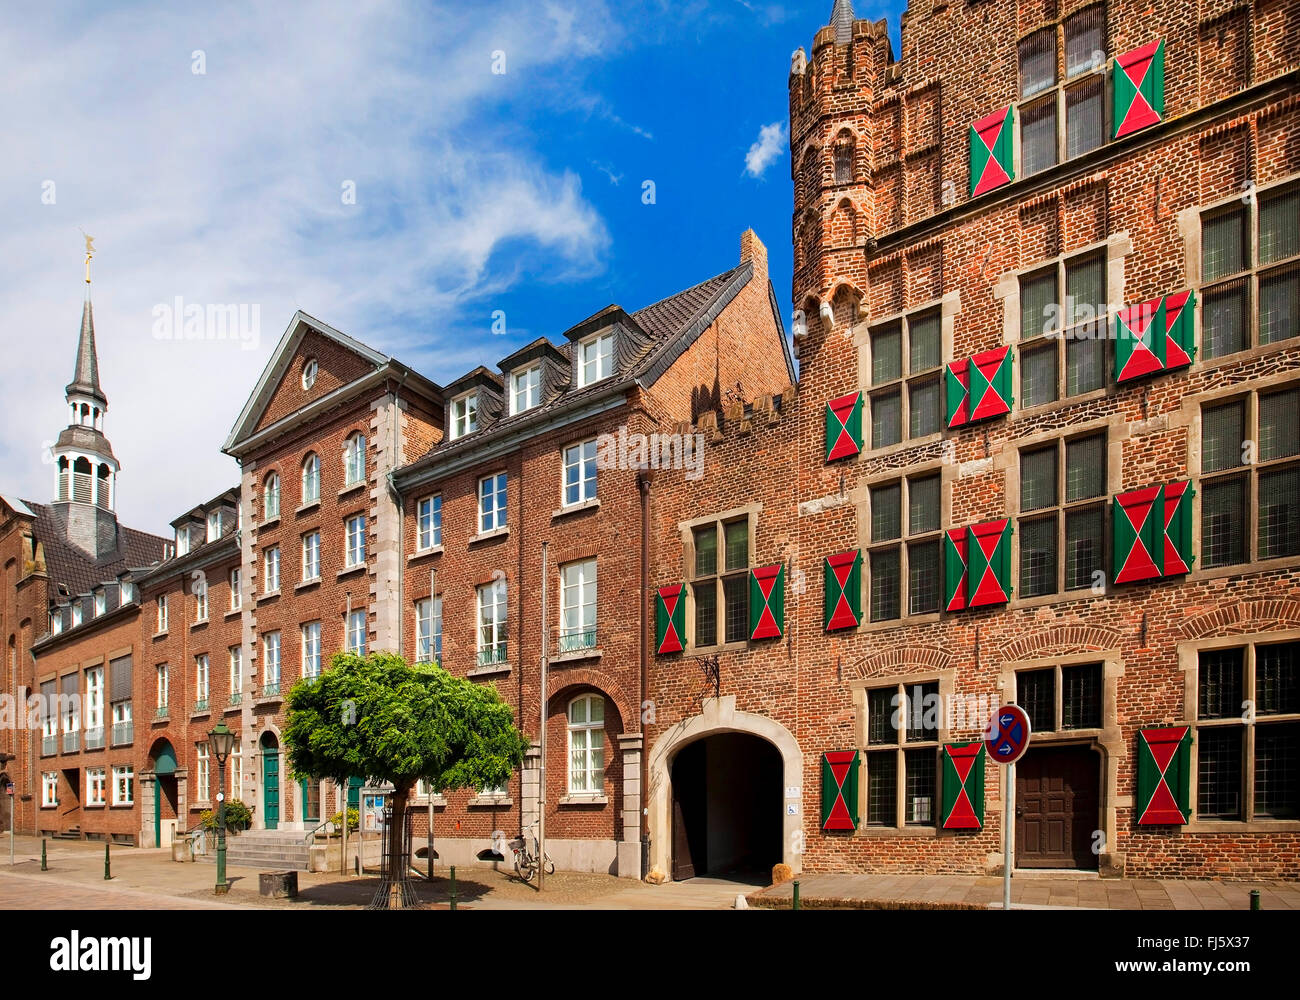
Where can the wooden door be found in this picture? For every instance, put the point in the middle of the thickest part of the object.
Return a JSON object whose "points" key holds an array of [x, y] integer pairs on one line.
{"points": [[1057, 807]]}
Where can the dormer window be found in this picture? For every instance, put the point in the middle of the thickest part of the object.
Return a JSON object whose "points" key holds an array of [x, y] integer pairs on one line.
{"points": [[464, 415], [127, 591], [101, 603], [595, 359], [56, 621], [76, 614], [525, 388], [182, 540], [214, 526]]}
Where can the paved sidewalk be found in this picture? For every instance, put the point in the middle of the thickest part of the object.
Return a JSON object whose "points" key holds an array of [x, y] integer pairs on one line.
{"points": [[970, 892]]}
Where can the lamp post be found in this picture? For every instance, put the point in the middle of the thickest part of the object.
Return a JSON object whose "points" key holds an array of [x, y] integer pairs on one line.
{"points": [[221, 741]]}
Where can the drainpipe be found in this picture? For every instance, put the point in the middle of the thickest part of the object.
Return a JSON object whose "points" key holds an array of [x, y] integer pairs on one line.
{"points": [[643, 485]]}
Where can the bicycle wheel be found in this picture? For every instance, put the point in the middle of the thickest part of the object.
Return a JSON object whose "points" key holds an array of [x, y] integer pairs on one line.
{"points": [[550, 865], [521, 867]]}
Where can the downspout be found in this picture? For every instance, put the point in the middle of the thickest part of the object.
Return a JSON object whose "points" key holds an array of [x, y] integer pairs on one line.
{"points": [[643, 485]]}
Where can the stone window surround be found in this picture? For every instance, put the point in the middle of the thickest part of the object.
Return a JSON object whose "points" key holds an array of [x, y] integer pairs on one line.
{"points": [[1188, 663], [686, 530]]}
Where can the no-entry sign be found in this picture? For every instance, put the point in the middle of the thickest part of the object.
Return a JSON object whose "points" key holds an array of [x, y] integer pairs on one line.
{"points": [[1007, 737]]}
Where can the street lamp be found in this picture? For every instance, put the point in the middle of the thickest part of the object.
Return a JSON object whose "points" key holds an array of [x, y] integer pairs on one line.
{"points": [[221, 741]]}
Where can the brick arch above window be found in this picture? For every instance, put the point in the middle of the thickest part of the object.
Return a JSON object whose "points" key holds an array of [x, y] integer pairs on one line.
{"points": [[899, 659], [1244, 618], [620, 706], [1065, 639]]}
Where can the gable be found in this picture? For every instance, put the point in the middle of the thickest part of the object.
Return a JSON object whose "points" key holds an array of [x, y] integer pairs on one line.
{"points": [[336, 366]]}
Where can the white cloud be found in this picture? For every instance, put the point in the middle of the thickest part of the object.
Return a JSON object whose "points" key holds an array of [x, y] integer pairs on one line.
{"points": [[769, 145]]}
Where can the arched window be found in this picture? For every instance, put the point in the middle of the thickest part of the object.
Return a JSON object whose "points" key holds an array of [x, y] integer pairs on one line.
{"points": [[85, 413], [587, 745], [310, 478], [843, 156], [271, 498], [83, 481], [809, 176], [354, 460], [63, 478], [104, 487]]}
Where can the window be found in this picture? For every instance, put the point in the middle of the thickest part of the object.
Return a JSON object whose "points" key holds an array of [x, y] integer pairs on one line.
{"points": [[580, 473], [525, 388], [356, 540], [491, 503], [311, 556], [721, 579], [310, 479], [126, 592], [1080, 702], [236, 674], [162, 686], [906, 395], [56, 621], [49, 789], [271, 570], [271, 663], [464, 415], [1078, 101], [595, 359], [203, 778], [1063, 509], [905, 542], [94, 708], [236, 773], [1248, 733], [902, 753], [428, 630], [356, 639], [842, 158], [236, 595], [78, 613], [492, 623], [200, 599], [309, 369], [587, 745], [201, 678], [428, 516], [123, 731], [1237, 271], [96, 786], [101, 603], [1250, 494], [311, 650], [123, 785], [271, 498], [354, 460], [214, 526], [182, 541], [1063, 339], [578, 606], [162, 613]]}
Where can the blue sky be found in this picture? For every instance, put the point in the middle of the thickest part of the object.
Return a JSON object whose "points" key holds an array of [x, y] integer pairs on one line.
{"points": [[211, 153]]}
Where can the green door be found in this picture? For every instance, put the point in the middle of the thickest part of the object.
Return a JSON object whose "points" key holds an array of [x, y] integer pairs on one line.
{"points": [[164, 763], [354, 793], [157, 813], [271, 785]]}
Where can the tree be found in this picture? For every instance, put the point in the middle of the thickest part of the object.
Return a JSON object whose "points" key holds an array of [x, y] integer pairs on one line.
{"points": [[383, 720]]}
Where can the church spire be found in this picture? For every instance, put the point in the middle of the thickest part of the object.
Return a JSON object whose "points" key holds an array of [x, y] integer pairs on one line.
{"points": [[85, 379], [842, 21]]}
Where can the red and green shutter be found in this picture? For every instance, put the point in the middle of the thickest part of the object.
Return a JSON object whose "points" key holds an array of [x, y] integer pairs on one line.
{"points": [[1178, 528], [990, 383], [963, 786], [843, 573], [670, 619], [989, 557], [840, 790], [991, 151], [956, 386], [954, 569], [767, 602], [1180, 337], [1139, 534], [1164, 770], [1138, 84], [1140, 340], [844, 426]]}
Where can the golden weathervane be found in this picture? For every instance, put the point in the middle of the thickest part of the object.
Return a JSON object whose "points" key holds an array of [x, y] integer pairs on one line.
{"points": [[90, 252]]}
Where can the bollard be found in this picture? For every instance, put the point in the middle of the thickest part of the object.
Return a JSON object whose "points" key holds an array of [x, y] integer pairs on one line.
{"points": [[452, 899], [44, 867], [1254, 899], [108, 871], [796, 895]]}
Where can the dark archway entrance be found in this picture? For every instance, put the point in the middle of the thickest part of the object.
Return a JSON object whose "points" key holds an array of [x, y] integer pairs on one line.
{"points": [[727, 807], [166, 796]]}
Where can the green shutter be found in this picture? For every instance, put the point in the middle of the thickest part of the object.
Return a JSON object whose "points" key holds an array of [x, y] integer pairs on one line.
{"points": [[954, 569], [1178, 528], [1140, 340], [1138, 84], [670, 619], [844, 426], [963, 786], [988, 553], [840, 790], [1180, 335], [956, 384], [767, 602], [1164, 769], [991, 159], [843, 594], [1139, 534]]}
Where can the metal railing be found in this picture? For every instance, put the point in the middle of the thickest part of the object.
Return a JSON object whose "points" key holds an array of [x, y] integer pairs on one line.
{"points": [[95, 738], [49, 745], [328, 828], [577, 639], [236, 697], [123, 732], [270, 688], [71, 742], [201, 705], [161, 712], [492, 654]]}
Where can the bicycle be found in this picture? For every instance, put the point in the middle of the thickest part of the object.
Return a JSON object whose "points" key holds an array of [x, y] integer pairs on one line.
{"points": [[527, 863]]}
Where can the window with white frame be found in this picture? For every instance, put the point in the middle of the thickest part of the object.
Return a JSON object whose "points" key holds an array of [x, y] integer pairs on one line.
{"points": [[271, 663], [182, 540], [1063, 336], [356, 540], [271, 498], [49, 789], [357, 632], [310, 478], [578, 605], [203, 779], [94, 706], [311, 650], [236, 590], [71, 715], [595, 359], [464, 415], [96, 786], [202, 678], [354, 460], [311, 556], [78, 612], [123, 785], [214, 525], [126, 592], [236, 674], [428, 630], [122, 729], [271, 570], [50, 716], [492, 503], [162, 613], [586, 745], [162, 688], [429, 522], [236, 773], [901, 754], [200, 588], [580, 473], [492, 623], [56, 621], [101, 602], [525, 388]]}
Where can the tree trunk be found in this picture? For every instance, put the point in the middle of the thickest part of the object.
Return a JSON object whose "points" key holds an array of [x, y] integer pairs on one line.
{"points": [[396, 856]]}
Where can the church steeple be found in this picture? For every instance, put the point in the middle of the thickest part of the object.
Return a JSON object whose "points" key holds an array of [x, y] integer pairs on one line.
{"points": [[842, 21], [85, 379]]}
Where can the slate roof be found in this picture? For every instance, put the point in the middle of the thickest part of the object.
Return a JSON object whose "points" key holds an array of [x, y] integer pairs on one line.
{"points": [[70, 567]]}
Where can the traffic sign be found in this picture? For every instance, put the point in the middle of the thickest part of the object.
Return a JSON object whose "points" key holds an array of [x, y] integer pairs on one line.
{"points": [[1007, 737], [9, 788]]}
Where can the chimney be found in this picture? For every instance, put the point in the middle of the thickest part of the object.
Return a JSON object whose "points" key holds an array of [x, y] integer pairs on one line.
{"points": [[752, 249]]}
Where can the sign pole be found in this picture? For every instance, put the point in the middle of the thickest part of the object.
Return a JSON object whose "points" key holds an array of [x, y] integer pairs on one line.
{"points": [[1006, 835], [1005, 741]]}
